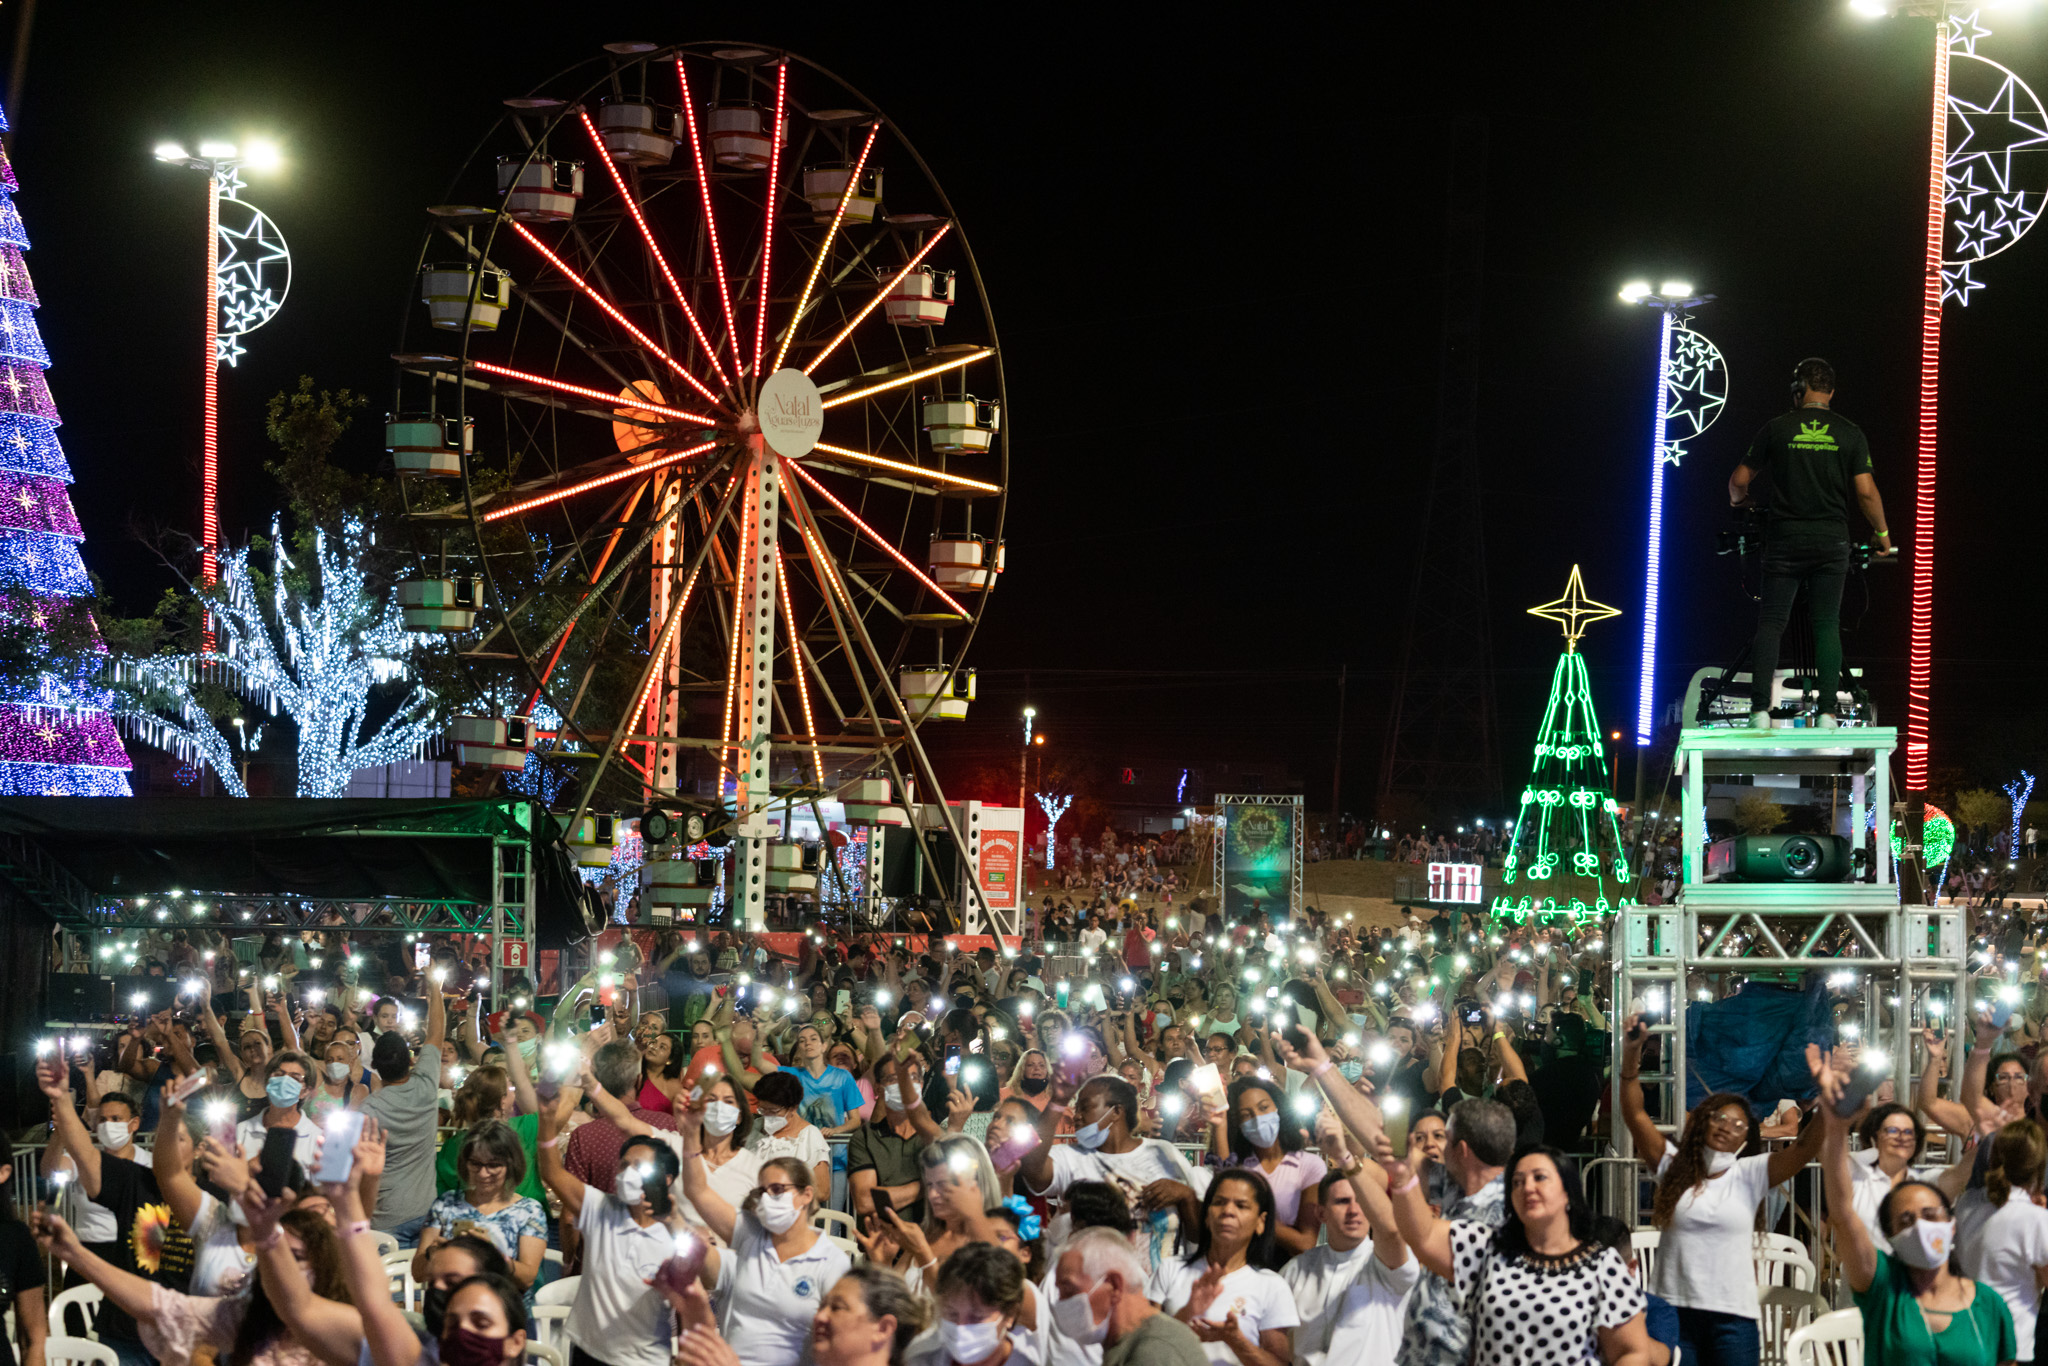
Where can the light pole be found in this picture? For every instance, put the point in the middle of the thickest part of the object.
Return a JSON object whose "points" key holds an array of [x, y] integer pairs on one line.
{"points": [[1024, 756], [2009, 121], [248, 273]]}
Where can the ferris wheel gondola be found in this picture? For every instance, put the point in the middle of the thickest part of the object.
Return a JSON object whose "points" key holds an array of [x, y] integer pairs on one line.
{"points": [[704, 436]]}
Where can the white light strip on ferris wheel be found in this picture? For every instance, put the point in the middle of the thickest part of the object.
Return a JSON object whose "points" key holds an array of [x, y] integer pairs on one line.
{"points": [[639, 405], [796, 646], [661, 648], [768, 224], [710, 224], [873, 304], [879, 540], [631, 471], [911, 378], [825, 248], [899, 465], [647, 236], [577, 280]]}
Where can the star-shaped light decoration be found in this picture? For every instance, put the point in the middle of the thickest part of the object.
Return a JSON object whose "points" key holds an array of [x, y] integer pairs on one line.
{"points": [[254, 275], [1998, 135], [1964, 32], [1696, 388], [1574, 611], [1957, 284]]}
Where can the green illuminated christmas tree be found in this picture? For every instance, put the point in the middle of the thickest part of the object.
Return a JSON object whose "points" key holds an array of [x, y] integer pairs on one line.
{"points": [[1568, 825]]}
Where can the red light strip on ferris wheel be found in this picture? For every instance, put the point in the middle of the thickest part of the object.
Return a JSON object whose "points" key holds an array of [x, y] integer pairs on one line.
{"points": [[648, 722], [875, 302], [899, 465], [872, 535], [647, 236], [577, 280], [796, 656], [774, 194], [710, 223], [726, 731], [631, 471], [1920, 644], [825, 248], [633, 405]]}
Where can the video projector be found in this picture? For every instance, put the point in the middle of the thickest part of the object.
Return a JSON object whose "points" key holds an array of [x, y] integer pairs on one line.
{"points": [[1781, 858]]}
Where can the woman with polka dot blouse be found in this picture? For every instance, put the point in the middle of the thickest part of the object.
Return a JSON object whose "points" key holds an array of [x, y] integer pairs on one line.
{"points": [[1542, 1291]]}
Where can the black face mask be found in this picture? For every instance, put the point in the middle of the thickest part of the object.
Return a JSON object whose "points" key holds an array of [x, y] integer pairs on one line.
{"points": [[1033, 1085], [434, 1308]]}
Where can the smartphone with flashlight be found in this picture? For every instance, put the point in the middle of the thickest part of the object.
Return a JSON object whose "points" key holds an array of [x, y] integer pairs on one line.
{"points": [[1862, 1082], [843, 1002], [1395, 1113], [2001, 1013], [338, 1151], [953, 1060], [598, 1014]]}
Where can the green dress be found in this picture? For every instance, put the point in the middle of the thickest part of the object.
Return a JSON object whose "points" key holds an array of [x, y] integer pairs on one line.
{"points": [[528, 1129], [1895, 1333]]}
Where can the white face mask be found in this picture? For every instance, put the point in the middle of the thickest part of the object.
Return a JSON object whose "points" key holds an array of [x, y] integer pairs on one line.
{"points": [[114, 1135], [774, 1124], [1926, 1244], [777, 1213], [631, 1187], [970, 1342], [337, 1071], [892, 1096], [721, 1119], [1074, 1317], [1718, 1161]]}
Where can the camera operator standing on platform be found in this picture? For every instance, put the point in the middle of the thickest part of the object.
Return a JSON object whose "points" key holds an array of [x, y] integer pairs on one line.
{"points": [[1816, 460]]}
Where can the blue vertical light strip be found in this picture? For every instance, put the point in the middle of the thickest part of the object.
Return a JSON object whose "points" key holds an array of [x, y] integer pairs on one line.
{"points": [[1646, 700]]}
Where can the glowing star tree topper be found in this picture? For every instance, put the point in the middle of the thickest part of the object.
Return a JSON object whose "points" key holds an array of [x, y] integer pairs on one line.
{"points": [[1567, 824]]}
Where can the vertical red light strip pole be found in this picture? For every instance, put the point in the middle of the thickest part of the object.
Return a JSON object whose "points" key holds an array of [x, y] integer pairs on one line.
{"points": [[209, 498], [768, 229], [1920, 650]]}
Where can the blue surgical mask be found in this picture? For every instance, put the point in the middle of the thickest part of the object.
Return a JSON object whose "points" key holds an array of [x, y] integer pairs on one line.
{"points": [[1261, 1131], [1089, 1137], [1351, 1069], [283, 1091]]}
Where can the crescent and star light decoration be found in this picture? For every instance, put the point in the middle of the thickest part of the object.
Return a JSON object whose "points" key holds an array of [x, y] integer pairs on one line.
{"points": [[57, 735], [1986, 187], [1692, 389], [1567, 823]]}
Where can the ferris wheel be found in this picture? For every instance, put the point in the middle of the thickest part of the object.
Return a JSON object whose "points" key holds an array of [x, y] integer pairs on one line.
{"points": [[699, 424]]}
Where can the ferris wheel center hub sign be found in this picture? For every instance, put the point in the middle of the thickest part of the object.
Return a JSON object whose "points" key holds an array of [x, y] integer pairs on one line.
{"points": [[791, 415]]}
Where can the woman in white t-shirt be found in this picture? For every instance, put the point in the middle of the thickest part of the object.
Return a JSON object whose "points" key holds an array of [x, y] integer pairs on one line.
{"points": [[984, 1314], [2001, 1234], [1238, 1308], [771, 1278], [1709, 1185], [732, 1168], [782, 1131]]}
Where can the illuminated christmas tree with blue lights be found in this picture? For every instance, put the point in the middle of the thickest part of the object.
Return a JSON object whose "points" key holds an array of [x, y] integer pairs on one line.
{"points": [[57, 736], [1568, 825]]}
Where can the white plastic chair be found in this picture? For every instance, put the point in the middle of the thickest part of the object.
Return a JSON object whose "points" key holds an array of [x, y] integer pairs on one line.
{"points": [[541, 1352], [69, 1351], [1646, 1241], [386, 1244], [549, 1322], [1783, 1242], [1831, 1340], [87, 1299], [1783, 1311], [404, 1291], [1777, 1266], [558, 1292]]}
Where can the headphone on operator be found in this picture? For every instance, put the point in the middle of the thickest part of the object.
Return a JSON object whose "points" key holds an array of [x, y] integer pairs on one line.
{"points": [[1799, 388]]}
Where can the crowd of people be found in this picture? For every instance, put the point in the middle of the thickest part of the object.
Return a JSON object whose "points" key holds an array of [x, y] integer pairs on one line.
{"points": [[1150, 1137]]}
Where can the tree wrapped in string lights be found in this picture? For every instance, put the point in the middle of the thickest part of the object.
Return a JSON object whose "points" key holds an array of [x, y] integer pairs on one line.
{"points": [[1568, 824], [57, 736], [1054, 808], [314, 646]]}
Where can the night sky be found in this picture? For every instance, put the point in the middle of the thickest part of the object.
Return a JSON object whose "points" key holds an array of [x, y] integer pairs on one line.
{"points": [[1213, 252]]}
